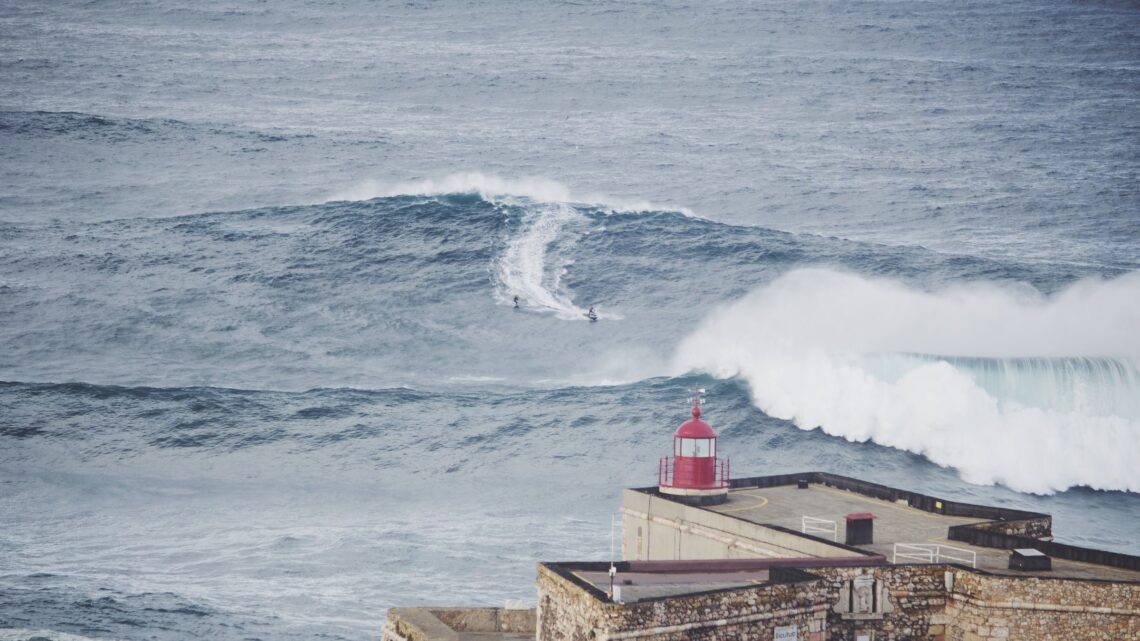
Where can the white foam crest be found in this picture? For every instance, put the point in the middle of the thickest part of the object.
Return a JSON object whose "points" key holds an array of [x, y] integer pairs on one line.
{"points": [[803, 343], [497, 189]]}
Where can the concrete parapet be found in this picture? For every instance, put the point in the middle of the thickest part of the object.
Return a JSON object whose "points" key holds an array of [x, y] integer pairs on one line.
{"points": [[416, 624], [450, 624], [487, 619]]}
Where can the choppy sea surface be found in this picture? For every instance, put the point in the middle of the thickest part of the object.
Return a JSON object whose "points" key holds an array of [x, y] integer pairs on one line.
{"points": [[261, 374]]}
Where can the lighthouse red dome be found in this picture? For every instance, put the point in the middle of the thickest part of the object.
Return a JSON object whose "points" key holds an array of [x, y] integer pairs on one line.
{"points": [[695, 427], [694, 473]]}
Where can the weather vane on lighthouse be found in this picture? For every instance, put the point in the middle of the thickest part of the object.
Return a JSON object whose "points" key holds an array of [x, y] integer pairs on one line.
{"points": [[694, 474]]}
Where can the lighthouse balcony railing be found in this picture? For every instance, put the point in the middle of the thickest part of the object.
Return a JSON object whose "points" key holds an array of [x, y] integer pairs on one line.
{"points": [[720, 478]]}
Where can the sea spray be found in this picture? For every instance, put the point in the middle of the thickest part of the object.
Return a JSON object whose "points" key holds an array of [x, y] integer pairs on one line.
{"points": [[810, 346]]}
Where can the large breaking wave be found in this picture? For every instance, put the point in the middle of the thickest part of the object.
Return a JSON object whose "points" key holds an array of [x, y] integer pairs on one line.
{"points": [[414, 290], [1005, 385]]}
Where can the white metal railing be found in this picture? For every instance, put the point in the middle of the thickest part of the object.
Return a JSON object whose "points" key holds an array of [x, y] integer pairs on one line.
{"points": [[812, 525], [934, 553]]}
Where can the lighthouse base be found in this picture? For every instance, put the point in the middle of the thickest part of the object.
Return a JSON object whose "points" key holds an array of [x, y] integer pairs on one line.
{"points": [[696, 496]]}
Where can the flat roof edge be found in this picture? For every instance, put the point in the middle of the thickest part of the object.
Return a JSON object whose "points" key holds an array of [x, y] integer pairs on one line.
{"points": [[916, 500], [790, 572], [975, 534]]}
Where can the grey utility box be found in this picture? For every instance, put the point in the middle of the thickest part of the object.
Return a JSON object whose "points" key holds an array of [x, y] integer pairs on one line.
{"points": [[1029, 560]]}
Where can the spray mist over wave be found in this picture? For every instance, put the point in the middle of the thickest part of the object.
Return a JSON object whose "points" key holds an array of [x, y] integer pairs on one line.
{"points": [[498, 190], [871, 359]]}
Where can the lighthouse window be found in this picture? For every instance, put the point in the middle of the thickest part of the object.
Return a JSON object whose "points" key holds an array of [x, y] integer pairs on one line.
{"points": [[697, 447]]}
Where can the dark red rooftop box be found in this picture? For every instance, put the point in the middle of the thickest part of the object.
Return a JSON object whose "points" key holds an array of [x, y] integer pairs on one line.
{"points": [[860, 528]]}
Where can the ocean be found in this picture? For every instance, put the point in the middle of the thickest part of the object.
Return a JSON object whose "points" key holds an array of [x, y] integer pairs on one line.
{"points": [[261, 372]]}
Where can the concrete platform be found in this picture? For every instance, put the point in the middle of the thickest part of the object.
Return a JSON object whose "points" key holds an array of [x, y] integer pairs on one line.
{"points": [[636, 586], [894, 522], [458, 624]]}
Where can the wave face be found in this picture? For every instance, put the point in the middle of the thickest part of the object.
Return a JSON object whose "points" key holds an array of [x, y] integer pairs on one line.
{"points": [[404, 290], [851, 355], [1090, 386]]}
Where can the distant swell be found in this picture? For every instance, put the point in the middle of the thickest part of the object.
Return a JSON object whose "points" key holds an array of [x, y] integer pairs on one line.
{"points": [[18, 634], [1036, 393]]}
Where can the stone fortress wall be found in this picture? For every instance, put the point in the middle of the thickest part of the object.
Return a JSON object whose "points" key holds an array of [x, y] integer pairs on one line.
{"points": [[1014, 608], [853, 594], [927, 602], [566, 612]]}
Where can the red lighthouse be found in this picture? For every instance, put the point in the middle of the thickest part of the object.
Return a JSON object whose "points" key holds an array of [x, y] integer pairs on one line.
{"points": [[694, 474]]}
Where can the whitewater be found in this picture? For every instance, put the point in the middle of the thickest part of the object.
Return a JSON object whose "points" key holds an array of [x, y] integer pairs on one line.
{"points": [[1001, 383], [262, 376]]}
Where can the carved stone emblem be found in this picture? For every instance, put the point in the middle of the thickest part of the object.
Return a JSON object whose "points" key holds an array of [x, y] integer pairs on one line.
{"points": [[863, 600], [863, 597]]}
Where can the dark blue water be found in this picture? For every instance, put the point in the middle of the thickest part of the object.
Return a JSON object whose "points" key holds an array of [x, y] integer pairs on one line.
{"points": [[262, 377]]}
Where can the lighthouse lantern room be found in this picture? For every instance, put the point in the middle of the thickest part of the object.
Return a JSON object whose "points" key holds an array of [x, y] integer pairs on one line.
{"points": [[693, 473]]}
